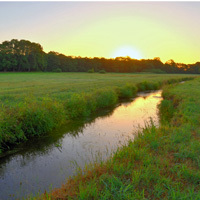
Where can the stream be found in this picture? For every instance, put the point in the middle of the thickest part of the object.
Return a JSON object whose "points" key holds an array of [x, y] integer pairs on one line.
{"points": [[44, 163]]}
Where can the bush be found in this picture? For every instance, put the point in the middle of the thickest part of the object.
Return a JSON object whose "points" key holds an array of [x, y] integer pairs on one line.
{"points": [[41, 117], [105, 98], [156, 71], [126, 91], [10, 123], [76, 106], [29, 119], [91, 102], [144, 86], [91, 70], [57, 70], [102, 71]]}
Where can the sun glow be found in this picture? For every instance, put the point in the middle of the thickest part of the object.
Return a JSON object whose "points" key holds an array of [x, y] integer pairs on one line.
{"points": [[126, 51]]}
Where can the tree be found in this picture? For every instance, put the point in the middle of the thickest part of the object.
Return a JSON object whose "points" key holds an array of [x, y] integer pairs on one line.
{"points": [[22, 55]]}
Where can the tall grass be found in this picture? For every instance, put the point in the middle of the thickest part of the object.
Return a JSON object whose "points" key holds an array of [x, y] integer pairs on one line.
{"points": [[29, 119], [34, 117], [127, 91]]}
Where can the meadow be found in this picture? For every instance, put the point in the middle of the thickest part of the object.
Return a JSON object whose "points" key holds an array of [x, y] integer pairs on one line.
{"points": [[35, 103], [161, 163], [14, 87]]}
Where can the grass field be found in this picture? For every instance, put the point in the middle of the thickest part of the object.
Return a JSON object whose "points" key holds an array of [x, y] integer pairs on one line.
{"points": [[161, 163], [35, 103], [14, 87]]}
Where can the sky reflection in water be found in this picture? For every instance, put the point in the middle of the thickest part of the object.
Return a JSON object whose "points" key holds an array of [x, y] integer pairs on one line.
{"points": [[46, 162]]}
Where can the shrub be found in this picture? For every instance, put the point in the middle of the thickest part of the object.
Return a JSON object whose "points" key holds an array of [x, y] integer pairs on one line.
{"points": [[10, 124], [102, 71], [29, 119], [57, 70], [91, 70], [144, 86], [76, 106], [41, 117], [126, 91], [91, 102], [105, 98], [156, 71]]}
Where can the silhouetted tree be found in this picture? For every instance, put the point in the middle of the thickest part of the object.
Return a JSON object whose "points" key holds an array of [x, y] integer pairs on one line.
{"points": [[23, 55]]}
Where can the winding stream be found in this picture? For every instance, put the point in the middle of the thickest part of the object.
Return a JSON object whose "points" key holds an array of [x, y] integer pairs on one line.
{"points": [[44, 163]]}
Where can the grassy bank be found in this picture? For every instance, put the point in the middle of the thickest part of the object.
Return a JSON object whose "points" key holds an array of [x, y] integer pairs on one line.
{"points": [[33, 104], [161, 163]]}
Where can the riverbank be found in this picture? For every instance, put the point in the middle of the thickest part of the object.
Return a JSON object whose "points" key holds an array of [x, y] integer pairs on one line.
{"points": [[161, 163], [79, 143], [31, 116]]}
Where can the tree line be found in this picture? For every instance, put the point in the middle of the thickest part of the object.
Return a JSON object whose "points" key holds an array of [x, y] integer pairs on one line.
{"points": [[25, 56]]}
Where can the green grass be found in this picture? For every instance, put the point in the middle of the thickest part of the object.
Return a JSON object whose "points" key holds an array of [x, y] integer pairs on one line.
{"points": [[161, 163], [14, 87], [34, 103]]}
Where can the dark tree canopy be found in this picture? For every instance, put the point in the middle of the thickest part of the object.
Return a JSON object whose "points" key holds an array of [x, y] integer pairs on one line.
{"points": [[23, 55]]}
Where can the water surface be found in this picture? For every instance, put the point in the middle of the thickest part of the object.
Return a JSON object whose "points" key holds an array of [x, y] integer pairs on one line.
{"points": [[44, 163]]}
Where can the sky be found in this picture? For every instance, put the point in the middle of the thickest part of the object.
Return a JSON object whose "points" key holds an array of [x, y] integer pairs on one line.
{"points": [[141, 30]]}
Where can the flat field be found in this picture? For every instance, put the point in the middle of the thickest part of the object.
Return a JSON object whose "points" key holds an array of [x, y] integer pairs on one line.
{"points": [[34, 103], [14, 87]]}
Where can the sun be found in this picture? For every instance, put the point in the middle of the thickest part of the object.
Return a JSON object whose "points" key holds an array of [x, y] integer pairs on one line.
{"points": [[126, 51]]}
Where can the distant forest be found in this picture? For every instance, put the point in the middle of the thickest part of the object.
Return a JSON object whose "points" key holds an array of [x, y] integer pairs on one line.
{"points": [[25, 56]]}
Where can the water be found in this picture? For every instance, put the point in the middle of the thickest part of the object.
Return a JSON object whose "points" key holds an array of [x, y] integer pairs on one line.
{"points": [[44, 163]]}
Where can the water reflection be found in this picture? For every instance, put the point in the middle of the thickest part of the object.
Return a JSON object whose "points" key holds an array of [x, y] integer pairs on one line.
{"points": [[50, 159]]}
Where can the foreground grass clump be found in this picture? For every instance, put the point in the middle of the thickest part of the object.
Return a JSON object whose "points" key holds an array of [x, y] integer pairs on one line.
{"points": [[127, 91], [29, 119], [45, 104], [161, 163]]}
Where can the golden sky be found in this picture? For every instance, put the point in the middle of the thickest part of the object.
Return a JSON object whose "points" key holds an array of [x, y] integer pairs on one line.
{"points": [[169, 30]]}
